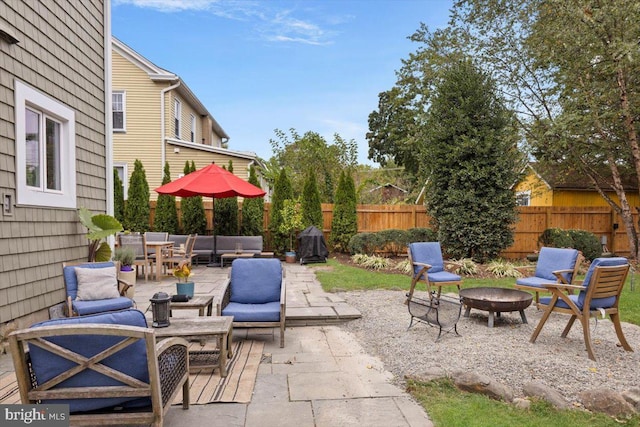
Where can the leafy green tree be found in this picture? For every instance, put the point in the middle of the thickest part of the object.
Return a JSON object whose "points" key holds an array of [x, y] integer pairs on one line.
{"points": [[226, 213], [166, 217], [310, 203], [193, 215], [471, 159], [253, 210], [570, 70], [137, 211], [118, 197], [301, 153], [282, 191], [344, 224]]}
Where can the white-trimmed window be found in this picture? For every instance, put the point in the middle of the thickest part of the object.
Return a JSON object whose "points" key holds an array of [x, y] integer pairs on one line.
{"points": [[122, 170], [523, 198], [177, 113], [193, 128], [45, 150], [119, 113]]}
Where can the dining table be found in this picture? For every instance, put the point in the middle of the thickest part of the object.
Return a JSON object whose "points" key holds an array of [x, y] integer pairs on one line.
{"points": [[160, 247]]}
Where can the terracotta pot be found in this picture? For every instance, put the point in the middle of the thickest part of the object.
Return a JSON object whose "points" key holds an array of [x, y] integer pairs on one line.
{"points": [[290, 257]]}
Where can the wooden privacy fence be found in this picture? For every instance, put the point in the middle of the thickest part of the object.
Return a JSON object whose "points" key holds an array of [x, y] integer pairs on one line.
{"points": [[532, 221]]}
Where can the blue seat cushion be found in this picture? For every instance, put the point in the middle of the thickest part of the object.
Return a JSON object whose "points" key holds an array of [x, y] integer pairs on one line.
{"points": [[596, 302], [267, 312], [255, 280], [131, 360], [427, 253], [84, 308], [534, 282], [443, 276], [70, 279], [554, 259]]}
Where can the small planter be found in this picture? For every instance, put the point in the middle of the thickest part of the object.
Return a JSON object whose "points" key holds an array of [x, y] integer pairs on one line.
{"points": [[290, 257], [185, 288]]}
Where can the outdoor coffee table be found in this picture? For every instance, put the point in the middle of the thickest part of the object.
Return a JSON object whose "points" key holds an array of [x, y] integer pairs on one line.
{"points": [[495, 300], [199, 328], [199, 302]]}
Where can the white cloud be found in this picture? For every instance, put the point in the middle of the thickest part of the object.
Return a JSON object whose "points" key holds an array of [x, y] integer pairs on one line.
{"points": [[273, 25]]}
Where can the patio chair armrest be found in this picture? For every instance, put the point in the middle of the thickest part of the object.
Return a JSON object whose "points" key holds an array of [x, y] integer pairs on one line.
{"points": [[222, 302], [173, 368], [422, 264], [559, 274], [123, 286], [563, 286]]}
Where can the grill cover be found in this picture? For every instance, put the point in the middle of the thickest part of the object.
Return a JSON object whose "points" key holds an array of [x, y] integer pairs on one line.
{"points": [[311, 246]]}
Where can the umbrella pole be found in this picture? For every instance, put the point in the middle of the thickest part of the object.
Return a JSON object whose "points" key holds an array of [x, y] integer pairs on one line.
{"points": [[213, 231]]}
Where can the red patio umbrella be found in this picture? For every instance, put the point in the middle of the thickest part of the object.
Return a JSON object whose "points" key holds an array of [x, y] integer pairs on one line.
{"points": [[211, 181]]}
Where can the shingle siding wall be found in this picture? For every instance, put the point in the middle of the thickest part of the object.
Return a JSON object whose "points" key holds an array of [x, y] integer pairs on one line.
{"points": [[61, 54]]}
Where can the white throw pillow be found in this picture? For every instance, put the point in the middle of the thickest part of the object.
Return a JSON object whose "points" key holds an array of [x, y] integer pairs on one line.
{"points": [[97, 283]]}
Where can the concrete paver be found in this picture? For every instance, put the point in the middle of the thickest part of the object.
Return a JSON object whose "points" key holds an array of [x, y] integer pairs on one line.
{"points": [[321, 378]]}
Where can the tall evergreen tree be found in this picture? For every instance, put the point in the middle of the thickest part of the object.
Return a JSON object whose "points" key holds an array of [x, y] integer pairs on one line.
{"points": [[471, 157], [226, 213], [311, 207], [193, 215], [137, 211], [118, 197], [253, 210], [282, 191], [166, 217], [345, 221]]}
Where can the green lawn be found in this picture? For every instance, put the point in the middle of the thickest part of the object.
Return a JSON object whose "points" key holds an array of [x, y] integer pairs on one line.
{"points": [[450, 407]]}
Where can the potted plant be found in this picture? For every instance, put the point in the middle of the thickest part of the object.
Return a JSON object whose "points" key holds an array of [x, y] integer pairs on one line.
{"points": [[126, 257], [100, 227], [182, 272], [291, 222]]}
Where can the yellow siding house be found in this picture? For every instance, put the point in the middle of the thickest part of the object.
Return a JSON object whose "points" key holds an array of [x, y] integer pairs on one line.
{"points": [[541, 186], [158, 119]]}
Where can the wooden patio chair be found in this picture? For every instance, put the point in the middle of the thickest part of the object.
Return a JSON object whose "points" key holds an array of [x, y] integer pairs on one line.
{"points": [[599, 295], [428, 265], [255, 294], [106, 367], [95, 288], [138, 243], [178, 256], [555, 265]]}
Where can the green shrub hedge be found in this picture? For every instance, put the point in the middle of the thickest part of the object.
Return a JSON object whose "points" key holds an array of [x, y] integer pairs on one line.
{"points": [[584, 241], [392, 241]]}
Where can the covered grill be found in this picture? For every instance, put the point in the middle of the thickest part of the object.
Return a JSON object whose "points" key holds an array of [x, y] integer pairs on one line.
{"points": [[312, 246]]}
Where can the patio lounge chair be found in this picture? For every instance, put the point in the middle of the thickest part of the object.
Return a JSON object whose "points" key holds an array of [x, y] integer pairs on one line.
{"points": [[255, 294], [428, 265], [94, 288], [106, 367], [555, 265], [599, 295]]}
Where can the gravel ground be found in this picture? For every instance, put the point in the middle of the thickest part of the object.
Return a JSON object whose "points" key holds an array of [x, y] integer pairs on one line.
{"points": [[502, 352]]}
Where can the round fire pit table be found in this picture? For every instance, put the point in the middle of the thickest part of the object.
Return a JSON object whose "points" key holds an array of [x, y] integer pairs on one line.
{"points": [[496, 300]]}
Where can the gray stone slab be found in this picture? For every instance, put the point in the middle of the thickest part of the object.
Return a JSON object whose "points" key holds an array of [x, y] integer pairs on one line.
{"points": [[224, 414], [327, 385], [382, 412], [347, 311], [281, 414], [310, 312], [270, 388]]}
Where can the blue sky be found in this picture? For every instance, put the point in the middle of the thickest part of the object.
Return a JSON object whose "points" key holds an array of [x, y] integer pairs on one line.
{"points": [[257, 66]]}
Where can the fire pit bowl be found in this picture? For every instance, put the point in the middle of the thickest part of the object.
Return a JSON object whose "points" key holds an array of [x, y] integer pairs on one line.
{"points": [[495, 301]]}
